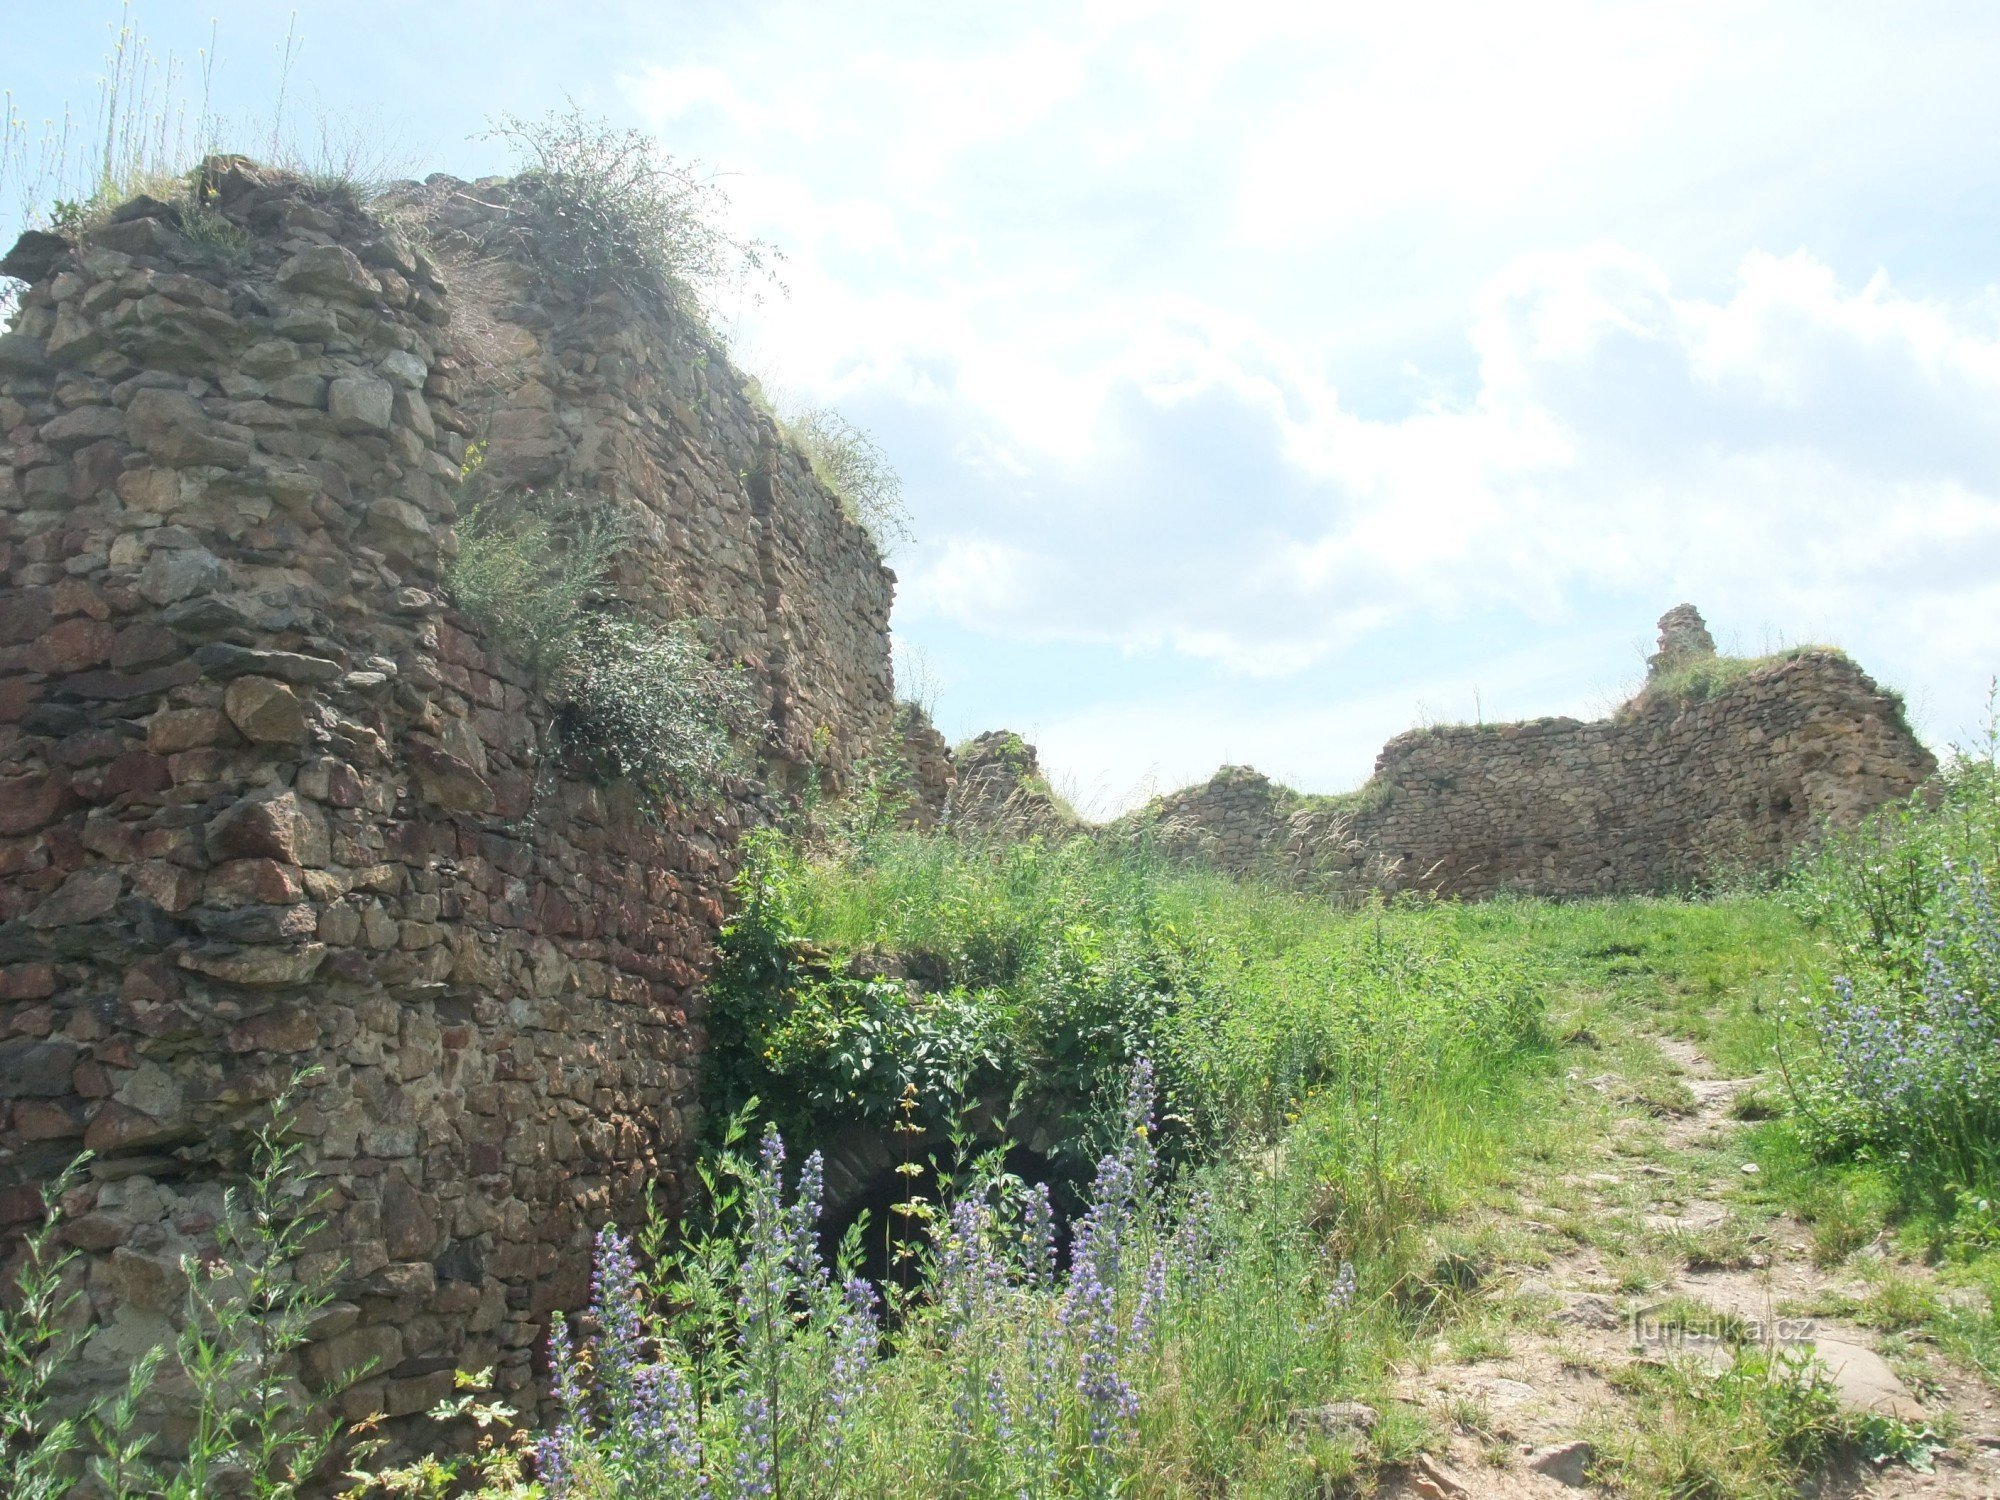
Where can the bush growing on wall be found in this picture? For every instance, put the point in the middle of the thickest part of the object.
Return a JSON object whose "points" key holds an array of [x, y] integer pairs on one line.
{"points": [[610, 209], [631, 700], [642, 703], [529, 569], [852, 464]]}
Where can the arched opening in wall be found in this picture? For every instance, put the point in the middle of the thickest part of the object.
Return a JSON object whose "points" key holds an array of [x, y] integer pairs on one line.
{"points": [[892, 1241]]}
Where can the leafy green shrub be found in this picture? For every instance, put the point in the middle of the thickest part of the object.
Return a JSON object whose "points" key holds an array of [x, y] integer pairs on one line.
{"points": [[630, 700], [643, 703], [1876, 891], [851, 464], [1036, 973], [611, 210], [1902, 1038]]}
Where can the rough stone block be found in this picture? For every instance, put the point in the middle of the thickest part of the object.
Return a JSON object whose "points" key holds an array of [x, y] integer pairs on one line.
{"points": [[172, 427], [257, 966], [266, 711], [268, 827], [360, 403], [328, 271]]}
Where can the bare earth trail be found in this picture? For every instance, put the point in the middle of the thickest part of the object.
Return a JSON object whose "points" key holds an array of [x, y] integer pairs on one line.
{"points": [[1647, 1205]]}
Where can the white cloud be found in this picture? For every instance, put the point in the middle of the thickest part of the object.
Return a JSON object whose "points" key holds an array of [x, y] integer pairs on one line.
{"points": [[1621, 439], [1266, 335]]}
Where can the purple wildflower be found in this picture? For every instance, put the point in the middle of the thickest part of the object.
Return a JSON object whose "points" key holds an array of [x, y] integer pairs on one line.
{"points": [[1920, 1066], [553, 1453], [1090, 1303], [1038, 1233], [750, 1474], [615, 1307]]}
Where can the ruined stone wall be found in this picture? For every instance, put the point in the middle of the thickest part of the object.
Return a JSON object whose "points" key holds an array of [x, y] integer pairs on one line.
{"points": [[998, 790], [264, 794], [726, 521], [926, 767], [1672, 791], [1667, 794]]}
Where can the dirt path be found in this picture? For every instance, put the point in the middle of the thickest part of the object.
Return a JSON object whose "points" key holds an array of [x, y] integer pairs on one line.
{"points": [[1644, 1227]]}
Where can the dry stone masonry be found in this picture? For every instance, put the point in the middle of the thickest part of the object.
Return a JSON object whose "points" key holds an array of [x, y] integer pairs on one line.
{"points": [[925, 760], [265, 796], [1678, 788]]}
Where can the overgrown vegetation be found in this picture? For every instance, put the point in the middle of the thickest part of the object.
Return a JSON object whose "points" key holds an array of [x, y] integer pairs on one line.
{"points": [[613, 211], [1181, 1341], [1900, 1069], [1265, 1120], [1042, 970], [852, 464], [631, 699]]}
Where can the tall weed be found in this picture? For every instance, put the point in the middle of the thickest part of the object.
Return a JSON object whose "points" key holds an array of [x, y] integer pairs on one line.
{"points": [[250, 1304], [1899, 1066]]}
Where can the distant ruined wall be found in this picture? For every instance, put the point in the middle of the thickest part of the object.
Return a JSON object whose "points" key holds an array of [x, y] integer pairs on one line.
{"points": [[1666, 794], [264, 793], [927, 765], [998, 790]]}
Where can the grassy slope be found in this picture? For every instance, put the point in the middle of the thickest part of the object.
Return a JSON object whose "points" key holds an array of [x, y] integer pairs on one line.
{"points": [[1365, 1118]]}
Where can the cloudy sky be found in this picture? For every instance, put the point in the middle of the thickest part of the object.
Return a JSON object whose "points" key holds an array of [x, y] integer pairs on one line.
{"points": [[1268, 377]]}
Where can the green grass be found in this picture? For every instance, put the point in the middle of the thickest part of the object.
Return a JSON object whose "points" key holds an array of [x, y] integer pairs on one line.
{"points": [[1752, 1429], [1712, 972], [1035, 973], [1392, 1087], [1703, 677]]}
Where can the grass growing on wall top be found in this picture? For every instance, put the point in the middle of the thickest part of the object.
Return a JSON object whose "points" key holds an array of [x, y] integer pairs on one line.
{"points": [[613, 211], [850, 463], [1704, 677], [153, 122]]}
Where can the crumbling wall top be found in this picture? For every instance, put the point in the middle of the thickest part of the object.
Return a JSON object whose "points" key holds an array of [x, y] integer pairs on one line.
{"points": [[1684, 638]]}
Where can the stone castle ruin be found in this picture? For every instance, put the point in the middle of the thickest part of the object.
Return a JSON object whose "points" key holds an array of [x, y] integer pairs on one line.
{"points": [[264, 792], [1728, 772]]}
